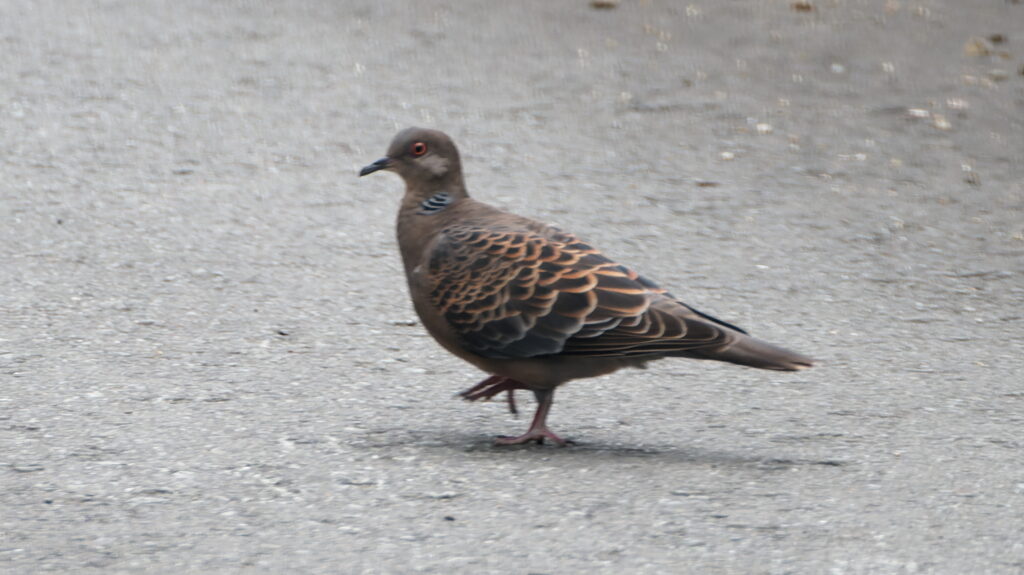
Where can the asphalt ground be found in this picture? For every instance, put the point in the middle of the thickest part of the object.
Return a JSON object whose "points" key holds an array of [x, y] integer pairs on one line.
{"points": [[208, 360]]}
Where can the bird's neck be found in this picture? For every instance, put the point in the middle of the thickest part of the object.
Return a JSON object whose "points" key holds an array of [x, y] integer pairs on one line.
{"points": [[423, 214], [431, 198]]}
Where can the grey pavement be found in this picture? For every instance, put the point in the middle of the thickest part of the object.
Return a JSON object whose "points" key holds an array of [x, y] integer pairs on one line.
{"points": [[208, 362]]}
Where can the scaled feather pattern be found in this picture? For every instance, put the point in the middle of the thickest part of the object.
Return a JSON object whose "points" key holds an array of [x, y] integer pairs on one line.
{"points": [[511, 294]]}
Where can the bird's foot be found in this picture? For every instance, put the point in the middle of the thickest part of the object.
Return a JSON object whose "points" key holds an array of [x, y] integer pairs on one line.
{"points": [[492, 386], [533, 434], [538, 431]]}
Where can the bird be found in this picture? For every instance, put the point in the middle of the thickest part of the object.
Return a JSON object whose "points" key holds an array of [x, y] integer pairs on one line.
{"points": [[530, 304]]}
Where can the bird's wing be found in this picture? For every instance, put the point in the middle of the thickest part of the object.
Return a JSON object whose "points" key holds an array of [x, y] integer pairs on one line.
{"points": [[519, 294]]}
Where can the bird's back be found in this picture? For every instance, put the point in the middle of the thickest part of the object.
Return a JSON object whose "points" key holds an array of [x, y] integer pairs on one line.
{"points": [[510, 287]]}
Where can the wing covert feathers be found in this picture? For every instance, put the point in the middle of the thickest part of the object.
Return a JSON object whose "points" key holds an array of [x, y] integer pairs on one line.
{"points": [[519, 294]]}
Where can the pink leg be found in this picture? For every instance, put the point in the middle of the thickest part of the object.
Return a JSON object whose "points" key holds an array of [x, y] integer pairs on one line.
{"points": [[538, 430], [492, 386]]}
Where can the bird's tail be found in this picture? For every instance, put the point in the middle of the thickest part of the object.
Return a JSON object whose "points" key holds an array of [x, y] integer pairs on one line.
{"points": [[758, 353]]}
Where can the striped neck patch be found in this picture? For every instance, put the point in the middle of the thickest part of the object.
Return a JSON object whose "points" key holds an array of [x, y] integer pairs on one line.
{"points": [[435, 203]]}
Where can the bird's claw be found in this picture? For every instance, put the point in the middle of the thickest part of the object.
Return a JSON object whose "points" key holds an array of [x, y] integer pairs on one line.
{"points": [[536, 435], [493, 386]]}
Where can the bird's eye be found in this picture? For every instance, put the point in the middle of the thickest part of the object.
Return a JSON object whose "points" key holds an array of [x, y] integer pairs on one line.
{"points": [[418, 149]]}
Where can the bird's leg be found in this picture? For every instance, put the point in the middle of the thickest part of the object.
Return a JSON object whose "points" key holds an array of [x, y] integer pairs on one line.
{"points": [[492, 386], [538, 428]]}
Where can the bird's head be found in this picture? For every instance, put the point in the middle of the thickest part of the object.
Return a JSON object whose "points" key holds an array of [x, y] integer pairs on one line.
{"points": [[422, 156]]}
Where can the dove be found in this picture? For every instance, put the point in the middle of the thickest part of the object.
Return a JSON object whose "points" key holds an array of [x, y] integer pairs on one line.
{"points": [[533, 305]]}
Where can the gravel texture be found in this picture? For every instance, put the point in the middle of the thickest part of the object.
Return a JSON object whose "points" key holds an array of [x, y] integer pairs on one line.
{"points": [[208, 361]]}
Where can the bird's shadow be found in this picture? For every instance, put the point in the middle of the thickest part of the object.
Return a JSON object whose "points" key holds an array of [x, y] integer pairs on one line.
{"points": [[482, 446], [659, 453]]}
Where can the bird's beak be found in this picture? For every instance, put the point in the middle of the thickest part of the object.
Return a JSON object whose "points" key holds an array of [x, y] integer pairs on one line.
{"points": [[381, 164]]}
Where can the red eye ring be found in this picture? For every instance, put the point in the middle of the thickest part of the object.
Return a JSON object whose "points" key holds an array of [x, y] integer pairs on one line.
{"points": [[418, 149]]}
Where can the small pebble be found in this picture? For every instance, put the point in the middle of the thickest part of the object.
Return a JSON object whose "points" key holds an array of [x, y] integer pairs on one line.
{"points": [[977, 47], [998, 74]]}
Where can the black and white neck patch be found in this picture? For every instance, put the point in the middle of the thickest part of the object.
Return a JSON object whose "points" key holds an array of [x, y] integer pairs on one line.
{"points": [[435, 203]]}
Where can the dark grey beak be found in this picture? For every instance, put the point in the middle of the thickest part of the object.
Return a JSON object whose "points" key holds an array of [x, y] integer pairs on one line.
{"points": [[381, 164]]}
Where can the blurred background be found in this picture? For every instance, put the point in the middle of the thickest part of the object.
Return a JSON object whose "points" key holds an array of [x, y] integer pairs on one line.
{"points": [[208, 358]]}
